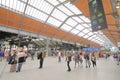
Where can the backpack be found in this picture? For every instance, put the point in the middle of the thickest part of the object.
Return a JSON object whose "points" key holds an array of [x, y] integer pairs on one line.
{"points": [[38, 56], [12, 60], [86, 56]]}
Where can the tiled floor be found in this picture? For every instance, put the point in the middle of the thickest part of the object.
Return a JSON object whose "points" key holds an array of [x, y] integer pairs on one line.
{"points": [[52, 70]]}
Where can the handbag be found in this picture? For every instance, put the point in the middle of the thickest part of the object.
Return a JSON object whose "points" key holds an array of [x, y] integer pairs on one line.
{"points": [[38, 57], [13, 61]]}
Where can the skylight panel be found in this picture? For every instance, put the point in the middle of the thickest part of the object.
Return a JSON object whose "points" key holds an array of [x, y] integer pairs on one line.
{"points": [[7, 2], [90, 34], [22, 7], [81, 34], [33, 2], [86, 36], [93, 40], [85, 19], [65, 10], [28, 10], [89, 24], [61, 1], [35, 13], [46, 7], [101, 40], [11, 4], [97, 38], [66, 27], [79, 27], [73, 8], [93, 36], [78, 19], [104, 36], [54, 22], [90, 38], [74, 31], [85, 31], [89, 29], [59, 15], [95, 32], [0, 2], [53, 2], [86, 25], [16, 5], [71, 22], [42, 16], [100, 32], [3, 2], [24, 0], [98, 42], [42, 5]]}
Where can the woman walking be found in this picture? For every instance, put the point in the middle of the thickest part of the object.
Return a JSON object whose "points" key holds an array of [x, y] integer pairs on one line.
{"points": [[21, 59], [76, 59], [13, 61], [68, 58], [41, 55], [93, 59]]}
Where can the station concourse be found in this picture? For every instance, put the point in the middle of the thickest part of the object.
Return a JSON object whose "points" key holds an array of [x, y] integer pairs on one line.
{"points": [[59, 39]]}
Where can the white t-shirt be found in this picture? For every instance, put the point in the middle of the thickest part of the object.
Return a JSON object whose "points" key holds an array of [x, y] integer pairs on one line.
{"points": [[20, 54], [59, 54]]}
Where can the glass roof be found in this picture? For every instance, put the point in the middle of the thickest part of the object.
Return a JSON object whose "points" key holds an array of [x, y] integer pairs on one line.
{"points": [[59, 13]]}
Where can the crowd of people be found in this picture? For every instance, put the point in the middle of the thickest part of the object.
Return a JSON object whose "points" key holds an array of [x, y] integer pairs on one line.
{"points": [[18, 56], [78, 58], [89, 58], [16, 59]]}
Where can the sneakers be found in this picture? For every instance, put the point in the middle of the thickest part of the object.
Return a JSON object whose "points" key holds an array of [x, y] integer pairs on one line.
{"points": [[69, 70]]}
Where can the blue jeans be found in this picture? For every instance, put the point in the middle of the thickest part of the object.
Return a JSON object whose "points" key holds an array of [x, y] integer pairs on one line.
{"points": [[1, 58], [19, 67]]}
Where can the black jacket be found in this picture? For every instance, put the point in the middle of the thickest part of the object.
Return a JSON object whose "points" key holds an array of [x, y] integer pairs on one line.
{"points": [[21, 59], [39, 56]]}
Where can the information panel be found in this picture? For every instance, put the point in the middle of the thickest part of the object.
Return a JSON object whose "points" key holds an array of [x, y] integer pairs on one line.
{"points": [[97, 15]]}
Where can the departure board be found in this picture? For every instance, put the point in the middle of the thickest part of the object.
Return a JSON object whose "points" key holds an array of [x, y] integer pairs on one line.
{"points": [[97, 15]]}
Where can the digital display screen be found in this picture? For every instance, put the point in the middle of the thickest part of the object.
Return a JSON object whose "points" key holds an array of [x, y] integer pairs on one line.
{"points": [[97, 15], [90, 49], [94, 22], [100, 14]]}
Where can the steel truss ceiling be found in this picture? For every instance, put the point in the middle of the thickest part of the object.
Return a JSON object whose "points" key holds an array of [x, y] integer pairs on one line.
{"points": [[60, 14]]}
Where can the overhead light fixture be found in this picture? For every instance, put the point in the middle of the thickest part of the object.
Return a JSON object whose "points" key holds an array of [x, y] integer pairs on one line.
{"points": [[118, 4], [33, 39], [41, 39], [9, 40], [27, 40], [117, 7]]}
